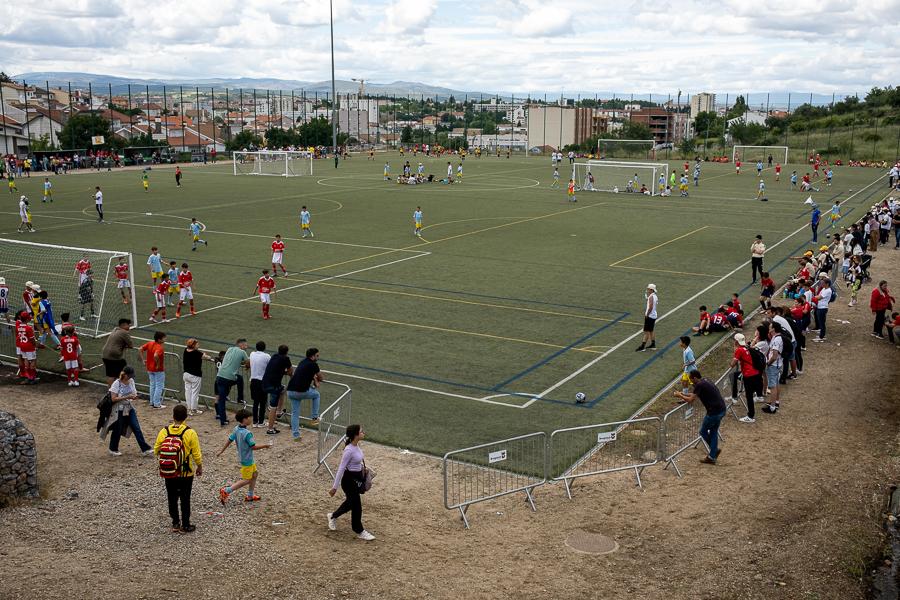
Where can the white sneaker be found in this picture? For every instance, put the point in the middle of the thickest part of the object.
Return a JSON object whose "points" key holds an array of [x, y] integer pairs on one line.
{"points": [[332, 522], [69, 383], [758, 399], [114, 453], [75, 384], [366, 536], [747, 420]]}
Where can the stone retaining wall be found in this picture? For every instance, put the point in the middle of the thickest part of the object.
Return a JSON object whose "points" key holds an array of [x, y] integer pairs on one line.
{"points": [[18, 460]]}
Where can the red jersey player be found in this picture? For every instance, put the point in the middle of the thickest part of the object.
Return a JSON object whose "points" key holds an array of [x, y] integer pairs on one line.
{"points": [[69, 349], [265, 286], [160, 292], [278, 256], [81, 269], [186, 285], [122, 280], [26, 349], [737, 167], [777, 171]]}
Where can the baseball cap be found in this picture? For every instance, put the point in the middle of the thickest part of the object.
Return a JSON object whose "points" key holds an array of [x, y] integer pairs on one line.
{"points": [[651, 286], [740, 339], [808, 253], [823, 248], [29, 284]]}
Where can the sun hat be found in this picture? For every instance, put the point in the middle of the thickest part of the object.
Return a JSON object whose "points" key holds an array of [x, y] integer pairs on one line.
{"points": [[823, 248], [651, 286], [808, 253]]}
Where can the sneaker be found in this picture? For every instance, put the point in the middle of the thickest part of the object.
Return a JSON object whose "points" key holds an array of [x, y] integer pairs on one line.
{"points": [[114, 453], [314, 422], [770, 409], [640, 348], [792, 376], [148, 452], [758, 400], [747, 420], [799, 372], [297, 438], [880, 337], [158, 407], [193, 312], [152, 320], [652, 346], [75, 384], [69, 383], [198, 412], [253, 498], [332, 522], [223, 496], [189, 528], [366, 536], [707, 461], [272, 431]]}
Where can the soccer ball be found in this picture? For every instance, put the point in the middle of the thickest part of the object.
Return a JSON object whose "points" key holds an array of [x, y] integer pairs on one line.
{"points": [[580, 398]]}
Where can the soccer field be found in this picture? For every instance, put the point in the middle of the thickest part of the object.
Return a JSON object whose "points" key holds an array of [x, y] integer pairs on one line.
{"points": [[513, 300]]}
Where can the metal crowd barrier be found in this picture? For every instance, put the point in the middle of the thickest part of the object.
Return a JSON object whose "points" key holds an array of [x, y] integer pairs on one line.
{"points": [[333, 422], [611, 447], [680, 432], [724, 384], [494, 469], [173, 385]]}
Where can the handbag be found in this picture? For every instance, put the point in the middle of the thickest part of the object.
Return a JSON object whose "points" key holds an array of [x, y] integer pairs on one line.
{"points": [[368, 475]]}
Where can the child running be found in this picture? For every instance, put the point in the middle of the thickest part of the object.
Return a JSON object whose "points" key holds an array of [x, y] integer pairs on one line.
{"points": [[835, 213], [278, 256], [555, 184], [571, 191], [196, 228], [243, 439]]}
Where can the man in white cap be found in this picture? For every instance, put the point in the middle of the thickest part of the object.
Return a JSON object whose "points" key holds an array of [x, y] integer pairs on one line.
{"points": [[649, 319], [4, 300], [27, 296], [750, 373], [24, 216]]}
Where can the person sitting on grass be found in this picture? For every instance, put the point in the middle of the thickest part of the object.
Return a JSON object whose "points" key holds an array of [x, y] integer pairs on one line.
{"points": [[735, 318], [718, 321], [702, 327]]}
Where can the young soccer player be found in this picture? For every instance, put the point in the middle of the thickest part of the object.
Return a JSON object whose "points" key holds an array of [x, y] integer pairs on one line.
{"points": [[154, 264], [828, 176], [48, 326], [278, 256], [761, 191], [759, 168], [702, 327], [835, 213], [4, 300], [186, 287], [145, 180], [417, 218], [777, 171], [305, 219], [555, 183], [683, 185], [178, 176], [265, 286], [173, 283], [793, 180], [48, 190], [26, 349], [243, 440], [70, 349], [697, 176], [571, 191], [122, 281], [689, 362], [672, 178], [459, 173], [98, 203], [196, 228], [81, 268], [662, 183], [24, 216], [159, 295], [12, 182], [737, 167], [387, 172], [767, 290]]}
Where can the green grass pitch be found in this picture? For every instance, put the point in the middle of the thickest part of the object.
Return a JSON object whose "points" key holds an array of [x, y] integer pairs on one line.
{"points": [[447, 339]]}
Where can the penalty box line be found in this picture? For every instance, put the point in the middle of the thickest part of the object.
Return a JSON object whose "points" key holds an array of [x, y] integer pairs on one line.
{"points": [[631, 337]]}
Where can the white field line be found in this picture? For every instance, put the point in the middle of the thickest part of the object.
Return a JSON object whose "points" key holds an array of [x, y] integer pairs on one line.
{"points": [[743, 265]]}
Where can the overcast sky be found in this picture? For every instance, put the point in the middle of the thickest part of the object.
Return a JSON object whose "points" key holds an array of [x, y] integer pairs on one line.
{"points": [[820, 46]]}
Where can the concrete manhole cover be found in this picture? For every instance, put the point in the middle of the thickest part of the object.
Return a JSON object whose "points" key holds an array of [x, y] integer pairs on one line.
{"points": [[587, 542]]}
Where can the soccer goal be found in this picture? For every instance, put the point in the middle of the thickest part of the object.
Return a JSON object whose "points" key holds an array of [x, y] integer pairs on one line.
{"points": [[281, 163], [619, 176], [752, 154], [613, 148], [83, 282]]}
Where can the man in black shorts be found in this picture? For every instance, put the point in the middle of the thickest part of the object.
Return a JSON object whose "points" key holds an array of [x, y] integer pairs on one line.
{"points": [[278, 366], [712, 400], [649, 319], [114, 350]]}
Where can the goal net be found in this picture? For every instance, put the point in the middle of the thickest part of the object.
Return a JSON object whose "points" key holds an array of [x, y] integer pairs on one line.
{"points": [[613, 148], [752, 154], [620, 176], [282, 163], [83, 282]]}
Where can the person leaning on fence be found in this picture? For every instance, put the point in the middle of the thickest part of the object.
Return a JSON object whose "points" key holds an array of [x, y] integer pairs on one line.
{"points": [[708, 394], [122, 419], [113, 353], [302, 386], [350, 476], [192, 365], [177, 446], [153, 353], [278, 366], [749, 373], [259, 359], [229, 369]]}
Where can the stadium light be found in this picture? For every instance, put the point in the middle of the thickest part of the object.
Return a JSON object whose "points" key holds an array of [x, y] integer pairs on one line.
{"points": [[333, 94]]}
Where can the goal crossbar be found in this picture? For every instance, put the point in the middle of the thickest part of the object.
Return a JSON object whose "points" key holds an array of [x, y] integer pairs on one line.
{"points": [[745, 153], [279, 163]]}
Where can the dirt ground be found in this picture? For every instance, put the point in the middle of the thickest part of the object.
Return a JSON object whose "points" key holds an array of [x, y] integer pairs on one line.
{"points": [[791, 511]]}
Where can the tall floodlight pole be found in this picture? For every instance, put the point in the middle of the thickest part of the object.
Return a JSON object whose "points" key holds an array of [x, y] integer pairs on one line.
{"points": [[333, 94]]}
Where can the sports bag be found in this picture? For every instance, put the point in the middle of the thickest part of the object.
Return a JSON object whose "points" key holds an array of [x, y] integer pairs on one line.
{"points": [[757, 358], [172, 458]]}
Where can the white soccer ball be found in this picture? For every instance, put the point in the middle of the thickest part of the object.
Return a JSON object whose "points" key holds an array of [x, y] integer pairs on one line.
{"points": [[580, 398]]}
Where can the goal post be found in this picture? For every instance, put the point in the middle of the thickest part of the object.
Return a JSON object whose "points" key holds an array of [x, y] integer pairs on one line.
{"points": [[752, 154], [615, 148], [620, 176], [280, 163], [90, 293]]}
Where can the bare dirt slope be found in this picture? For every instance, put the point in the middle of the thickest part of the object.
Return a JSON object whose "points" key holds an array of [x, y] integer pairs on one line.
{"points": [[791, 511]]}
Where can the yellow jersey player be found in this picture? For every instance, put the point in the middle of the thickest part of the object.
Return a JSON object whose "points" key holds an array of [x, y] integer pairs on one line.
{"points": [[571, 191], [12, 182], [459, 173], [417, 218], [145, 180]]}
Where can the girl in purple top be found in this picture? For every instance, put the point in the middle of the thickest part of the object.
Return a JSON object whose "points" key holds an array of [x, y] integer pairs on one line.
{"points": [[350, 477]]}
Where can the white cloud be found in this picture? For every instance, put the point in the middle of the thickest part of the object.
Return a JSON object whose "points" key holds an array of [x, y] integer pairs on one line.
{"points": [[409, 16]]}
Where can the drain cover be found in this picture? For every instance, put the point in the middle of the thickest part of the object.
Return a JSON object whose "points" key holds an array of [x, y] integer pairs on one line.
{"points": [[591, 543]]}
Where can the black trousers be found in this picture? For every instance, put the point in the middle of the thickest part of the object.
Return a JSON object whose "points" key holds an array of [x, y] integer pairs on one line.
{"points": [[753, 386], [756, 263], [350, 483], [179, 489], [258, 394]]}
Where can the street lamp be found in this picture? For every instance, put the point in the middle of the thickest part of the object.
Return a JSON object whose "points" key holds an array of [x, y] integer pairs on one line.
{"points": [[333, 94]]}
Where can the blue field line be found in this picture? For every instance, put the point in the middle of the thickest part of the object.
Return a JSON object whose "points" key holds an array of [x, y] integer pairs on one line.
{"points": [[547, 359], [807, 212], [486, 296]]}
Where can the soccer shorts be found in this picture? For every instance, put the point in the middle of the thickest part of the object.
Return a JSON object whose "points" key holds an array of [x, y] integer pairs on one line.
{"points": [[649, 324], [160, 300], [418, 226], [304, 225], [248, 472], [196, 238], [46, 193], [71, 364], [156, 274], [146, 185], [27, 354], [265, 299], [124, 283], [685, 379], [186, 294], [277, 258]]}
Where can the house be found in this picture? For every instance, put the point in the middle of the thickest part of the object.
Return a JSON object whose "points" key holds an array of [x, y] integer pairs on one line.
{"points": [[750, 117], [45, 122], [12, 140]]}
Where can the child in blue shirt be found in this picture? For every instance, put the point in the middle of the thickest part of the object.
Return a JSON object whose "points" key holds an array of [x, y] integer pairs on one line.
{"points": [[243, 439]]}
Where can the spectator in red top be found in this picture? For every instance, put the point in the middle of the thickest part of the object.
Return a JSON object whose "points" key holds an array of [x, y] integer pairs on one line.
{"points": [[702, 327], [753, 383], [880, 303], [152, 354]]}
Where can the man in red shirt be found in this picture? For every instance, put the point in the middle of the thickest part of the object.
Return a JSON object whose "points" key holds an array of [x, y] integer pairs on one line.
{"points": [[265, 287], [278, 256], [26, 349], [881, 302], [153, 354], [160, 292], [186, 285], [69, 349], [751, 376]]}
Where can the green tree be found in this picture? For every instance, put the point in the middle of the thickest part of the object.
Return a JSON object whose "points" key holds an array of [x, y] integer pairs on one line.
{"points": [[79, 129], [244, 139], [748, 133], [4, 78], [708, 124], [739, 108], [42, 143], [687, 147], [633, 130], [406, 136]]}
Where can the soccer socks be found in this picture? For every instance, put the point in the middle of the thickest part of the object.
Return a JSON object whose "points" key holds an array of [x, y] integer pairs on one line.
{"points": [[265, 311]]}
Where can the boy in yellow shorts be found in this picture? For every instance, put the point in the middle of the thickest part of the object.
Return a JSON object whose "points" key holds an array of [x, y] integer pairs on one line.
{"points": [[145, 180], [243, 439], [12, 182], [174, 288]]}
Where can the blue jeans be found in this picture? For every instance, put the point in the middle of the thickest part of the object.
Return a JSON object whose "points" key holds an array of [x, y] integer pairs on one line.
{"points": [[295, 398], [821, 315], [223, 386], [116, 433], [709, 431], [157, 383]]}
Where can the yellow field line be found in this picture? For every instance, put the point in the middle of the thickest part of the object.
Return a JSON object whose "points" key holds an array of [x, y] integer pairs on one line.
{"points": [[680, 237], [471, 302]]}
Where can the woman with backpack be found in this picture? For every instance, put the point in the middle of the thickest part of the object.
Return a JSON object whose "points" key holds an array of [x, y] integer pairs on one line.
{"points": [[123, 418], [177, 445], [351, 476], [751, 363]]}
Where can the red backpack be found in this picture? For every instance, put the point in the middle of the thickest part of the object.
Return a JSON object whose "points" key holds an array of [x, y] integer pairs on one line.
{"points": [[172, 458]]}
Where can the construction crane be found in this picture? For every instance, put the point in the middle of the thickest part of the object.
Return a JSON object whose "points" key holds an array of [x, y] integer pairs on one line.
{"points": [[362, 85]]}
